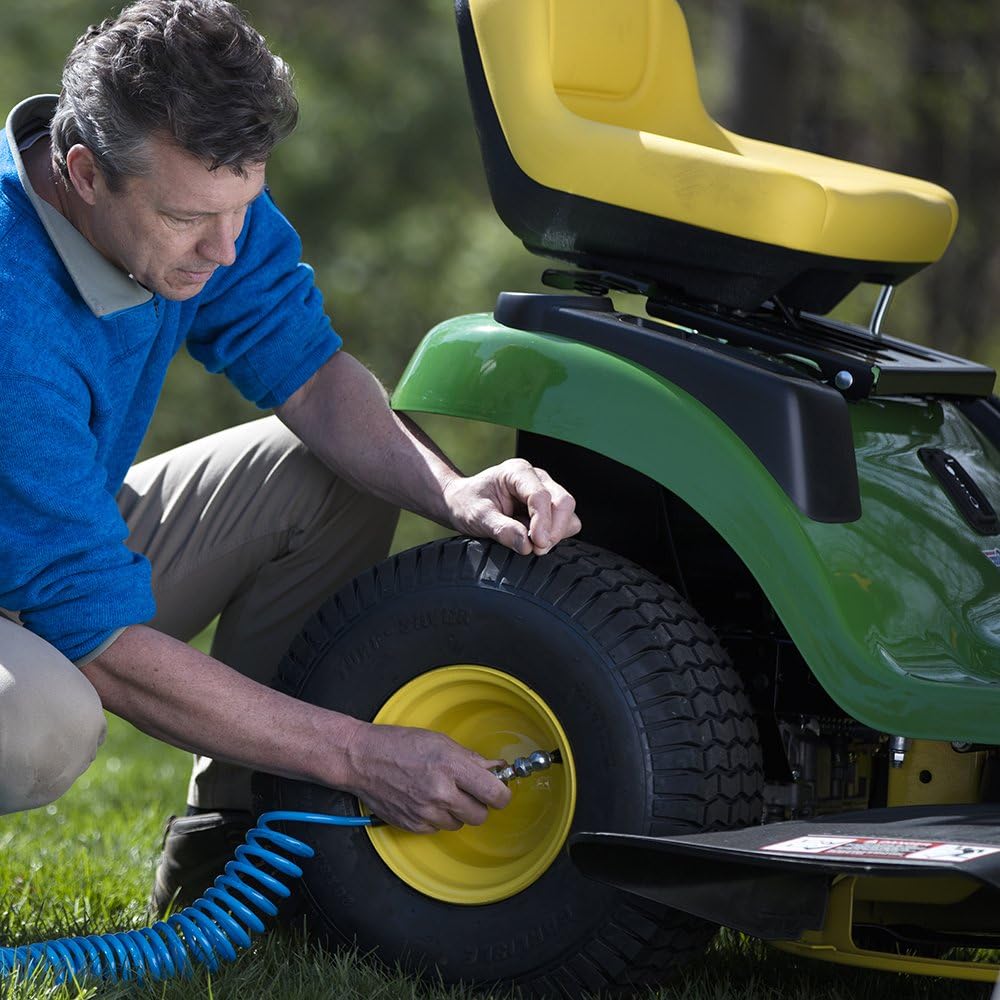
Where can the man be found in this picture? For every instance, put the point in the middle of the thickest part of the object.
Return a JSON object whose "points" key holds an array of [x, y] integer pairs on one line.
{"points": [[135, 220]]}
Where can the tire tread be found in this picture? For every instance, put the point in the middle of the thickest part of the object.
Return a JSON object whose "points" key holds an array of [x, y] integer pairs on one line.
{"points": [[674, 673]]}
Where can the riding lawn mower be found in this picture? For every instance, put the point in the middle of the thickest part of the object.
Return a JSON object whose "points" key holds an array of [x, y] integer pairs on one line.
{"points": [[770, 664]]}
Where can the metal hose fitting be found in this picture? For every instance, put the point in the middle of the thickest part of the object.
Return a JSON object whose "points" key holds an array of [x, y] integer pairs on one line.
{"points": [[523, 766]]}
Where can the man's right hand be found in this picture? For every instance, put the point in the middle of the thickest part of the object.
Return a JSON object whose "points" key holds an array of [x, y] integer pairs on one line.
{"points": [[422, 781], [412, 778]]}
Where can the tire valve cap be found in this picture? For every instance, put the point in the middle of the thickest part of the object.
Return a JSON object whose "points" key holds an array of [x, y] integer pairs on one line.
{"points": [[523, 766]]}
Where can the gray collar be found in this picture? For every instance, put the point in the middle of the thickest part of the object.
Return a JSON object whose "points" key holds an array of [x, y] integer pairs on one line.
{"points": [[105, 288]]}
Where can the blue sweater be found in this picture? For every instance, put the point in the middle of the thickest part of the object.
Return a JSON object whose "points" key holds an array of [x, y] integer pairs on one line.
{"points": [[77, 390]]}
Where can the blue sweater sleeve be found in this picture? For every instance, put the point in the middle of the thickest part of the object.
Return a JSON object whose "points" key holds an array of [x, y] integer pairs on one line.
{"points": [[261, 320], [63, 561]]}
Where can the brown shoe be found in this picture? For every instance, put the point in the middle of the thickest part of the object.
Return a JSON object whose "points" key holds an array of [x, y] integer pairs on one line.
{"points": [[195, 852]]}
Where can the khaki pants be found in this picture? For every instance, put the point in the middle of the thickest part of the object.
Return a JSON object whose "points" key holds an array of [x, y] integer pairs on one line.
{"points": [[245, 524]]}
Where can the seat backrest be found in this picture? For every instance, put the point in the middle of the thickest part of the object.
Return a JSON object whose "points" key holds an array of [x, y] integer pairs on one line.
{"points": [[628, 63]]}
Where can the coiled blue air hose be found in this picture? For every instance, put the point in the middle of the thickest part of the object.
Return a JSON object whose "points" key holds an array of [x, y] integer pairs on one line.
{"points": [[217, 923], [212, 927]]}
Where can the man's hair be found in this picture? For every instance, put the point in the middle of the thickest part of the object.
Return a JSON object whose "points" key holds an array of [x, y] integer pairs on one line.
{"points": [[191, 70]]}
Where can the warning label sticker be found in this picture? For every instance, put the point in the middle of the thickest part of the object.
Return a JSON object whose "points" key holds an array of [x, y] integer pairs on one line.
{"points": [[993, 555], [882, 849]]}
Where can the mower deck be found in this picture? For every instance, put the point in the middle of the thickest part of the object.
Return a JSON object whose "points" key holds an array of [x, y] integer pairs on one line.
{"points": [[821, 885], [773, 881]]}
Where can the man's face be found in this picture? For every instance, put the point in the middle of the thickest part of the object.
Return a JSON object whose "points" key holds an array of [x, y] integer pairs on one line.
{"points": [[171, 228]]}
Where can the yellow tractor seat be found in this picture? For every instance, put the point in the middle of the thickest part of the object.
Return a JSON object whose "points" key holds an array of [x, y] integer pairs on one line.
{"points": [[599, 151]]}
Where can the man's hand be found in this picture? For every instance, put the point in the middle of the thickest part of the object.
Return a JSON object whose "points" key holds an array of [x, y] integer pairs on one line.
{"points": [[412, 778], [518, 505], [420, 780], [343, 415]]}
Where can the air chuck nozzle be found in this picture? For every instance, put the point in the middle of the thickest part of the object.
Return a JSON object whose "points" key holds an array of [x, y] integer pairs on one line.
{"points": [[523, 766]]}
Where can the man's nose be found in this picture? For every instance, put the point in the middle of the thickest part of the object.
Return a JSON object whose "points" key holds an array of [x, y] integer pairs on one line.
{"points": [[219, 246]]}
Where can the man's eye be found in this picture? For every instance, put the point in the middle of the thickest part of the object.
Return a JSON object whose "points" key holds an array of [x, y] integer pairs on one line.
{"points": [[182, 220]]}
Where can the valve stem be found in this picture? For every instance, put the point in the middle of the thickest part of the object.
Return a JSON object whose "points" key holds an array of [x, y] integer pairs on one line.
{"points": [[523, 766]]}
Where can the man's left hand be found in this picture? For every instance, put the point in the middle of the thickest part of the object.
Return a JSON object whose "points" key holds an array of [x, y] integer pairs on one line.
{"points": [[515, 503]]}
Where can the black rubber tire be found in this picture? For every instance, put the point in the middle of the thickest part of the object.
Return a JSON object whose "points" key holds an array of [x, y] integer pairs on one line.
{"points": [[659, 725]]}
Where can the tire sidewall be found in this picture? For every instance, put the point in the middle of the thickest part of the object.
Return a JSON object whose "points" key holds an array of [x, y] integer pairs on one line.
{"points": [[404, 636]]}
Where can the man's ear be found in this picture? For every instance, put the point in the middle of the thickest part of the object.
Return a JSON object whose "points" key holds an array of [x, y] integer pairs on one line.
{"points": [[84, 174]]}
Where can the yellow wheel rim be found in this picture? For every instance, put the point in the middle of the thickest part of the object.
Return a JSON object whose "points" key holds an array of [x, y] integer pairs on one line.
{"points": [[498, 716]]}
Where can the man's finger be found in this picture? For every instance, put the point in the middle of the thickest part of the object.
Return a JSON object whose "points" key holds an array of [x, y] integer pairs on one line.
{"points": [[486, 788], [525, 485], [447, 820], [507, 531], [564, 522], [468, 809]]}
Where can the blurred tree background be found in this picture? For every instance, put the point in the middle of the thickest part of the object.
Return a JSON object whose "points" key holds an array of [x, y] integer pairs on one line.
{"points": [[384, 183]]}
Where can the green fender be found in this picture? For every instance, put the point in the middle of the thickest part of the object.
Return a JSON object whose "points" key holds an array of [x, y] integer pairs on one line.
{"points": [[897, 613]]}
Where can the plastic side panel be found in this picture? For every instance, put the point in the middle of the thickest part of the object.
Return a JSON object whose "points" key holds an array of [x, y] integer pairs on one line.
{"points": [[897, 614]]}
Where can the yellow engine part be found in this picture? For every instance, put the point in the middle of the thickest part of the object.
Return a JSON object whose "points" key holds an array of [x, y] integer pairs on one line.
{"points": [[935, 774], [500, 717]]}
